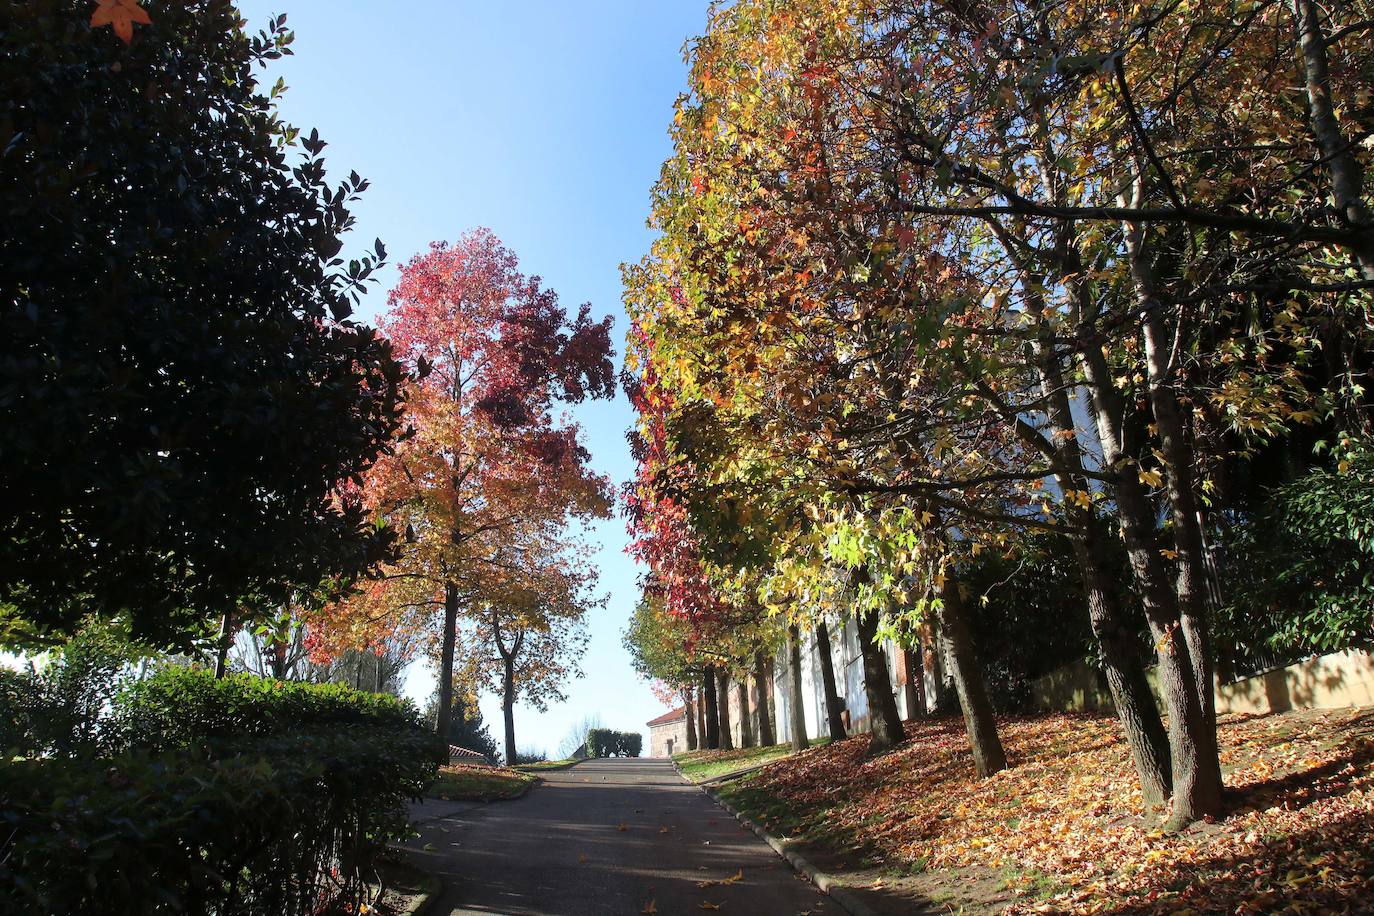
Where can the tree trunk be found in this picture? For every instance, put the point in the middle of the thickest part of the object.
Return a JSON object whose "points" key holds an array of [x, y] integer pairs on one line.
{"points": [[1337, 152], [832, 699], [746, 730], [226, 639], [727, 740], [1118, 644], [1179, 460], [450, 636], [913, 668], [765, 688], [884, 722], [988, 756], [1196, 782], [687, 707], [508, 707], [701, 719], [1116, 638], [279, 659], [708, 692], [794, 689]]}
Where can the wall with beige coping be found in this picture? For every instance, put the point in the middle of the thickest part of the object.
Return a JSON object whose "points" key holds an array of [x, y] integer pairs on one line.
{"points": [[1326, 682]]}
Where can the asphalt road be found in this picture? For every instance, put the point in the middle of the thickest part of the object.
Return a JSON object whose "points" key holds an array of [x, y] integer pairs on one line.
{"points": [[606, 837]]}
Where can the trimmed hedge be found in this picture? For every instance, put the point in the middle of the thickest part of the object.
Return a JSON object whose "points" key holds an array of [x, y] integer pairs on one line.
{"points": [[604, 742], [238, 797], [183, 707], [282, 827]]}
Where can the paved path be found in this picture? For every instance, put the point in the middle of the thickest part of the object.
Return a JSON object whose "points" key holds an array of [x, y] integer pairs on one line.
{"points": [[561, 850]]}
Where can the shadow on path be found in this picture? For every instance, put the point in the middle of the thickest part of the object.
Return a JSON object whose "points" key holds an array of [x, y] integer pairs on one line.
{"points": [[606, 837]]}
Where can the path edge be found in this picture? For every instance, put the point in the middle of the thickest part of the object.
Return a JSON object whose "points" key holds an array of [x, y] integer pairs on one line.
{"points": [[803, 866], [433, 889]]}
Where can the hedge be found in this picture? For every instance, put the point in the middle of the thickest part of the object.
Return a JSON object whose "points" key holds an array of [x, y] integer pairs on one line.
{"points": [[181, 707], [282, 827], [603, 742], [239, 797]]}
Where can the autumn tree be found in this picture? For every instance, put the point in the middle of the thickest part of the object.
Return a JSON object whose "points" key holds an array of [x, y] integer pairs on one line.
{"points": [[1006, 220], [182, 392], [485, 472], [528, 640]]}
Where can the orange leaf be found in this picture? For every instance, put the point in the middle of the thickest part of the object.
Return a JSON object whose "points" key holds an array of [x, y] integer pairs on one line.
{"points": [[650, 907], [121, 16]]}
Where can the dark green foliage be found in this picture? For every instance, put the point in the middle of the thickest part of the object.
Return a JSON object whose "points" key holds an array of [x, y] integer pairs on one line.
{"points": [[238, 796], [183, 707], [66, 708], [466, 728], [1028, 619], [181, 394], [603, 742], [1297, 575], [277, 827]]}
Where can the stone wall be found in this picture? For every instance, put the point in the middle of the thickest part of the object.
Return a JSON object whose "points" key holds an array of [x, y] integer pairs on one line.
{"points": [[1325, 682]]}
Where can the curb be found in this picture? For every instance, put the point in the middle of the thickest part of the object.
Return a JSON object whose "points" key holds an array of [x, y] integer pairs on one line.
{"points": [[827, 884], [433, 888]]}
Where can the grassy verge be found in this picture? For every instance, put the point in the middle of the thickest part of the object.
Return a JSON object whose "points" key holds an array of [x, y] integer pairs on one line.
{"points": [[699, 766], [464, 782], [546, 765], [1063, 830]]}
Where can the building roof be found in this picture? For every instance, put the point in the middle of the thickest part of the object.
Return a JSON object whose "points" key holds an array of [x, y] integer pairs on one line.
{"points": [[679, 713]]}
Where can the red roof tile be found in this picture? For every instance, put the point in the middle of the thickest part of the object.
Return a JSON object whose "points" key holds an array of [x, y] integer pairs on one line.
{"points": [[679, 713]]}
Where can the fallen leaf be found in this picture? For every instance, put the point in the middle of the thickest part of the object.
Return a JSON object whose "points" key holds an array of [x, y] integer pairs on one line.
{"points": [[708, 905], [650, 907]]}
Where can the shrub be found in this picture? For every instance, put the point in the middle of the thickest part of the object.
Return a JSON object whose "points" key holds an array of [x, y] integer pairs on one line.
{"points": [[181, 707], [65, 707], [285, 824], [242, 795], [603, 742]]}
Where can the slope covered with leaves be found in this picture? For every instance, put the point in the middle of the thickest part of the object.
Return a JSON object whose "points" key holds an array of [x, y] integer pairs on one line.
{"points": [[1063, 830]]}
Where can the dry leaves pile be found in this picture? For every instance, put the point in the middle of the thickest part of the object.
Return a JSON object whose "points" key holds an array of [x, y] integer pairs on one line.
{"points": [[1065, 825]]}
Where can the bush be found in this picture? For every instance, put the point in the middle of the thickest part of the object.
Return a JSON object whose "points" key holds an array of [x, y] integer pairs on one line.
{"points": [[603, 742], [284, 825], [182, 707], [65, 708], [242, 795]]}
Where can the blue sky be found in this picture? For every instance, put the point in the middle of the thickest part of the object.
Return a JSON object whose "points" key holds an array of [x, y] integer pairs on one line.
{"points": [[544, 121]]}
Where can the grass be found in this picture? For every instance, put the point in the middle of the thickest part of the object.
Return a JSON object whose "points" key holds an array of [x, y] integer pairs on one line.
{"points": [[546, 765], [1063, 829], [699, 766], [465, 782]]}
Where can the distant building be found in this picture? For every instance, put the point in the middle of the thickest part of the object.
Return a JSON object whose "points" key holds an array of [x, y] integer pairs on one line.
{"points": [[668, 733]]}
